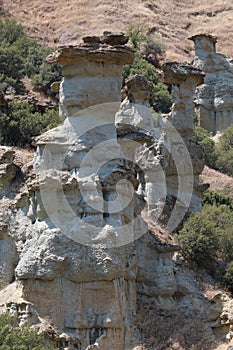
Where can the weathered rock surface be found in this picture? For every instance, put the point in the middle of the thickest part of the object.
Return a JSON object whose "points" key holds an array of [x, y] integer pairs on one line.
{"points": [[92, 71], [90, 271], [183, 158], [213, 99]]}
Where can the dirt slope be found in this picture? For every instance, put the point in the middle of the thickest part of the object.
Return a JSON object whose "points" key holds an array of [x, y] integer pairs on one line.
{"points": [[55, 22], [218, 181]]}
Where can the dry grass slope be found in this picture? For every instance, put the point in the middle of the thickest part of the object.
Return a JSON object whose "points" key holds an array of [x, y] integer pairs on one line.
{"points": [[218, 181], [57, 22]]}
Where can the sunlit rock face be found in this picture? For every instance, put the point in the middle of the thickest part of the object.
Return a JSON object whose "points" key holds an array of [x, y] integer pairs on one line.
{"points": [[184, 160], [213, 99], [79, 268], [92, 71], [80, 260]]}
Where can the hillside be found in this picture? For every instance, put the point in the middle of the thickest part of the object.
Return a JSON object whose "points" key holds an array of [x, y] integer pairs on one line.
{"points": [[218, 181], [57, 22]]}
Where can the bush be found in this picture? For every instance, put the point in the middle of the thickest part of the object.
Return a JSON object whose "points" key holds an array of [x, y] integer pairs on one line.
{"points": [[212, 197], [198, 240], [161, 100], [225, 152], [228, 276], [152, 50], [226, 139], [46, 76], [207, 238], [22, 122], [208, 235], [201, 137], [21, 56], [14, 338], [137, 35]]}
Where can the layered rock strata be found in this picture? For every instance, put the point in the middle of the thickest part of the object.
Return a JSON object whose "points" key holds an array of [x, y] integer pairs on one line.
{"points": [[213, 99], [89, 272], [183, 158], [79, 164]]}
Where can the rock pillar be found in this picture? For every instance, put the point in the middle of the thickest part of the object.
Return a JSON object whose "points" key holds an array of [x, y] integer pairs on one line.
{"points": [[213, 99], [185, 162], [83, 273]]}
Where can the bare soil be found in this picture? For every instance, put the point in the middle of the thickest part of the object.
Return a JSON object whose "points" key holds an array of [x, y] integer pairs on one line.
{"points": [[58, 22]]}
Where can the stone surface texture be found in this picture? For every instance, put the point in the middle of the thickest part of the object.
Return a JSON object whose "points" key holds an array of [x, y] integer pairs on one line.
{"points": [[83, 254], [214, 98], [183, 157]]}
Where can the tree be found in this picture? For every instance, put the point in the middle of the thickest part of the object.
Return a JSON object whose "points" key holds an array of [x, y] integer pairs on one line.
{"points": [[22, 122], [136, 35], [225, 152], [21, 56], [12, 337], [215, 198], [45, 77], [207, 238], [201, 137], [228, 276], [198, 240], [161, 100]]}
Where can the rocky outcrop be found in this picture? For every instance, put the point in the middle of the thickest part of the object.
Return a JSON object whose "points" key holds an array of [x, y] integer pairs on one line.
{"points": [[183, 157], [213, 99], [95, 269], [8, 169], [92, 71]]}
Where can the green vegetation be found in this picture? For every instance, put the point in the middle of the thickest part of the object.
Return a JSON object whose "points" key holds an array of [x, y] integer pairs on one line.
{"points": [[220, 156], [206, 239], [147, 57], [22, 122], [21, 56], [14, 338], [225, 152], [201, 136], [215, 198]]}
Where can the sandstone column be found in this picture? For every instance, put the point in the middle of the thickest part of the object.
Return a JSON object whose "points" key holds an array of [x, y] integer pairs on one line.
{"points": [[83, 275], [213, 99], [185, 161]]}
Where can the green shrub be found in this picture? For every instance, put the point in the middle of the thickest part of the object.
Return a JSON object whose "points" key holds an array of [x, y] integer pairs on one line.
{"points": [[224, 161], [212, 197], [222, 218], [225, 152], [45, 77], [198, 240], [12, 337], [21, 56], [22, 122], [201, 137], [228, 276], [226, 139], [152, 50], [161, 100], [147, 51], [137, 35], [208, 235]]}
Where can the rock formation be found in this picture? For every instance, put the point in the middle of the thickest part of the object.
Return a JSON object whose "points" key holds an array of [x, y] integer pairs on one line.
{"points": [[183, 80], [214, 98], [77, 257]]}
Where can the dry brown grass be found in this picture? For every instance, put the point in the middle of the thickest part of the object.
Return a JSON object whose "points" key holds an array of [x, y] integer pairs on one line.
{"points": [[57, 22], [218, 181]]}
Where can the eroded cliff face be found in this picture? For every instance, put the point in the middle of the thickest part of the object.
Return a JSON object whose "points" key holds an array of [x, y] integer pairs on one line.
{"points": [[83, 252], [213, 99]]}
